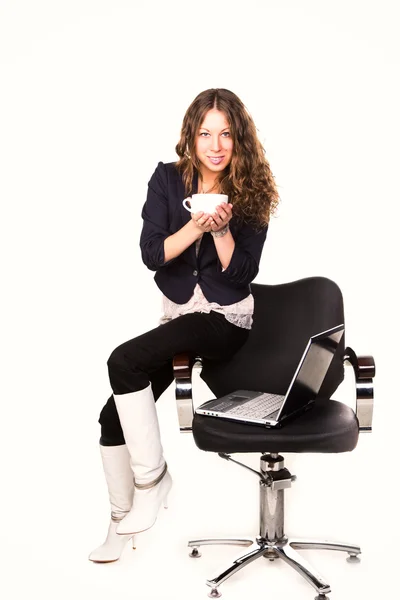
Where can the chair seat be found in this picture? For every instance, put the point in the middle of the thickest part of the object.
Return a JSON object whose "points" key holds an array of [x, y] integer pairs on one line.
{"points": [[329, 426]]}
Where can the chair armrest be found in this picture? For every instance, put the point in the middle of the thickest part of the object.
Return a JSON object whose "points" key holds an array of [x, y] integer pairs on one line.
{"points": [[182, 367], [364, 372]]}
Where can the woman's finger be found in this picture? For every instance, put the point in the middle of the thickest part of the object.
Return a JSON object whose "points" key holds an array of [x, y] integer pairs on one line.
{"points": [[217, 221], [225, 211], [222, 211], [197, 216], [214, 226], [204, 222], [204, 219]]}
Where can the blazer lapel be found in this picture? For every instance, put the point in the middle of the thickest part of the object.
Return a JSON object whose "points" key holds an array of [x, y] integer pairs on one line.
{"points": [[187, 215]]}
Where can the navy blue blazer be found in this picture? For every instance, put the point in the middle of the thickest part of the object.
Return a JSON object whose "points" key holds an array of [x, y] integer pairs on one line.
{"points": [[163, 215]]}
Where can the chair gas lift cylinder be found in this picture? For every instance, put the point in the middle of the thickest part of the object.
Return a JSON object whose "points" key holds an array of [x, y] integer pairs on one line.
{"points": [[337, 424]]}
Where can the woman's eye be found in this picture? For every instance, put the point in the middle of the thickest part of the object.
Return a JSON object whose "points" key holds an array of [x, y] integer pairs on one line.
{"points": [[206, 134]]}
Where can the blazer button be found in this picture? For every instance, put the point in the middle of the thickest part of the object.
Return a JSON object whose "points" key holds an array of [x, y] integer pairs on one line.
{"points": [[195, 273]]}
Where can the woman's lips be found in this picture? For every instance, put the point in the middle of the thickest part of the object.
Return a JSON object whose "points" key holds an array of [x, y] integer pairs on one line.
{"points": [[216, 160]]}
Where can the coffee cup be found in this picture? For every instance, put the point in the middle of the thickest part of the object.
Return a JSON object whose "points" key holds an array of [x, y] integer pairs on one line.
{"points": [[206, 203]]}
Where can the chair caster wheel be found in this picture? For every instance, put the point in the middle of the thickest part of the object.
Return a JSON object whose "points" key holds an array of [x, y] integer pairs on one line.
{"points": [[195, 553], [214, 593], [353, 558], [321, 597]]}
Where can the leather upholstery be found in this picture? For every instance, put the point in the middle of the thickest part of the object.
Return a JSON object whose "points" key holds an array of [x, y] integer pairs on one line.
{"points": [[329, 426], [285, 317]]}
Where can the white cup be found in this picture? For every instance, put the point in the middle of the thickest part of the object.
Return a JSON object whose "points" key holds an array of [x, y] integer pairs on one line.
{"points": [[206, 203]]}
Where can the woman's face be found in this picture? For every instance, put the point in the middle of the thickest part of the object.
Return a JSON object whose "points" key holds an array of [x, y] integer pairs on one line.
{"points": [[214, 145]]}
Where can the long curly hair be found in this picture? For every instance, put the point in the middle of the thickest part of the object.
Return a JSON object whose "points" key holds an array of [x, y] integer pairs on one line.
{"points": [[247, 180]]}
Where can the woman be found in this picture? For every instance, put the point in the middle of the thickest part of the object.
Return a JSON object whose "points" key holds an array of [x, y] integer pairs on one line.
{"points": [[204, 265]]}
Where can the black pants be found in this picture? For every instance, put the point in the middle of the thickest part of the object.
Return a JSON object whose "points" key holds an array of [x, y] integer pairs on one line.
{"points": [[148, 359]]}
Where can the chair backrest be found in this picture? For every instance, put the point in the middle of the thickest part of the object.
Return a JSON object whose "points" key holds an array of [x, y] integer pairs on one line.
{"points": [[285, 317]]}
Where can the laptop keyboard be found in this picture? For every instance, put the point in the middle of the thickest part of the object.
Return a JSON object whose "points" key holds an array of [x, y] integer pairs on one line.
{"points": [[259, 407]]}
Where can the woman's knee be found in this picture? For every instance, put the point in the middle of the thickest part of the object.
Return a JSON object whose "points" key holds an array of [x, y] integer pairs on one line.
{"points": [[126, 355], [117, 358], [124, 372], [119, 361], [117, 367]]}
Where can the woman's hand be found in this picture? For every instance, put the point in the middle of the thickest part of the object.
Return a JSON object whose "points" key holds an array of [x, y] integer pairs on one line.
{"points": [[221, 217], [203, 221]]}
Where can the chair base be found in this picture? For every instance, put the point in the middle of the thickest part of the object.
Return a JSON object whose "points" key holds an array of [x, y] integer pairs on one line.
{"points": [[285, 549], [272, 543]]}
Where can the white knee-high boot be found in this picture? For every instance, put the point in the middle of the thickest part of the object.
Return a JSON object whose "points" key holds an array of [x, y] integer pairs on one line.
{"points": [[119, 478], [139, 422]]}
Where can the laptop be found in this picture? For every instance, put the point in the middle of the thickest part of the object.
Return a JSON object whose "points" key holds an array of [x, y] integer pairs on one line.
{"points": [[271, 410]]}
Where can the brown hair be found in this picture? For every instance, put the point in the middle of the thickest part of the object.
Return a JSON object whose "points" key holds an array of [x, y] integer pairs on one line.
{"points": [[248, 180]]}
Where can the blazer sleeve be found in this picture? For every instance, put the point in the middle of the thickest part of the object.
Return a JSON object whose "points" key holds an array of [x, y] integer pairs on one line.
{"points": [[245, 261], [155, 220]]}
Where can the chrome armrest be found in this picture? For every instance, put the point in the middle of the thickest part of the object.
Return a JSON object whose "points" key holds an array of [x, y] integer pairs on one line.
{"points": [[182, 366], [364, 371]]}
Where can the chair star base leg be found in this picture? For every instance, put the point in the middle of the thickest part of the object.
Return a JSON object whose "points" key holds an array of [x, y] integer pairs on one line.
{"points": [[194, 544], [297, 562], [353, 551]]}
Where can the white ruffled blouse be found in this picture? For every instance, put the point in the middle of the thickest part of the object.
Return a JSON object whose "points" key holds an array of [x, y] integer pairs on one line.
{"points": [[239, 314]]}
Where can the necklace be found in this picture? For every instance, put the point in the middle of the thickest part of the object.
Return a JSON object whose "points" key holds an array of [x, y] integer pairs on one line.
{"points": [[203, 191]]}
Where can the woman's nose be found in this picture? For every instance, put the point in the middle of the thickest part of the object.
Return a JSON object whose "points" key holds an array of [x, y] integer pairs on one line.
{"points": [[215, 143]]}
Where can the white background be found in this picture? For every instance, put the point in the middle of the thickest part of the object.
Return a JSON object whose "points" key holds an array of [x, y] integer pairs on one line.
{"points": [[92, 96]]}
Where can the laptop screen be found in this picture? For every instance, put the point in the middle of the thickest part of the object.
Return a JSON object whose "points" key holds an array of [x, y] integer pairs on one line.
{"points": [[312, 369]]}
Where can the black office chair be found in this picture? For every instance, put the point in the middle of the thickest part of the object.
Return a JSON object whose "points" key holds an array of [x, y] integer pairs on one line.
{"points": [[285, 317]]}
